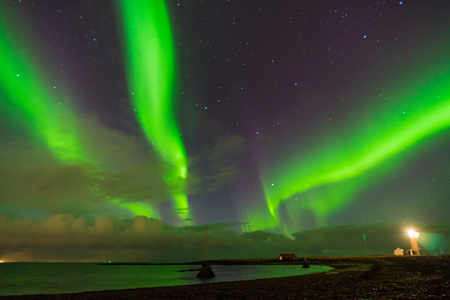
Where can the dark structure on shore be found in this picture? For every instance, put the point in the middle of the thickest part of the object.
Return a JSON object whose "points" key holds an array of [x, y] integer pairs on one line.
{"points": [[305, 264], [206, 271]]}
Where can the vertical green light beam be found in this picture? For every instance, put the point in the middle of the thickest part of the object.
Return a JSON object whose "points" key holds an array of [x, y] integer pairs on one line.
{"points": [[150, 72]]}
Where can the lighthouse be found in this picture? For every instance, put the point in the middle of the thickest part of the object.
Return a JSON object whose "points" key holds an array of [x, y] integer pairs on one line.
{"points": [[413, 235]]}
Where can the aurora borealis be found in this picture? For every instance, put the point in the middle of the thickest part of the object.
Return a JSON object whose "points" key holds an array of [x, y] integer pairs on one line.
{"points": [[150, 51], [139, 120], [402, 135], [49, 119]]}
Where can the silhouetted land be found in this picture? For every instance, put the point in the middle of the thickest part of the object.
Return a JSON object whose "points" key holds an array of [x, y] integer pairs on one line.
{"points": [[375, 277]]}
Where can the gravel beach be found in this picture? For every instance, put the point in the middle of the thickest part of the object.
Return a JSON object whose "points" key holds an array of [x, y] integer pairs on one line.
{"points": [[424, 277]]}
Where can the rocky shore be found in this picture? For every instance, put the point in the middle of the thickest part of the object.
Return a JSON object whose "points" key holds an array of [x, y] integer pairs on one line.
{"points": [[424, 277]]}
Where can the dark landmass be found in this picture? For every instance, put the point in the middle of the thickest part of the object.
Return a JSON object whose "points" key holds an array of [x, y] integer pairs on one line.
{"points": [[371, 277]]}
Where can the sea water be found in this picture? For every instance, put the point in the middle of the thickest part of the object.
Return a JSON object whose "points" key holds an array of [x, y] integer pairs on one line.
{"points": [[55, 278]]}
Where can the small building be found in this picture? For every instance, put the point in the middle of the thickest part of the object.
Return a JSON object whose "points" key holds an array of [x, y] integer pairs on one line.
{"points": [[287, 256], [398, 251]]}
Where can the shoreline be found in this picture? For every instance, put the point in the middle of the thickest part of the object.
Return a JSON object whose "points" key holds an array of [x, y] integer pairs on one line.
{"points": [[383, 277]]}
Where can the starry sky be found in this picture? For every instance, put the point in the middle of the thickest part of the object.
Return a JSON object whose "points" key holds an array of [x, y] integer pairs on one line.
{"points": [[127, 125]]}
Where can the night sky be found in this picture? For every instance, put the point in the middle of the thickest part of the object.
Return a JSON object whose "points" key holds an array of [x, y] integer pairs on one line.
{"points": [[127, 125]]}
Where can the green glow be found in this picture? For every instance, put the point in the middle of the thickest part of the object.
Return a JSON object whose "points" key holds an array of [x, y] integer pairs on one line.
{"points": [[138, 208], [150, 73], [27, 91], [255, 217], [323, 182], [434, 243]]}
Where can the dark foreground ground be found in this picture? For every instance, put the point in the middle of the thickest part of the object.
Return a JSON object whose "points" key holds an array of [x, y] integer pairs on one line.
{"points": [[424, 277]]}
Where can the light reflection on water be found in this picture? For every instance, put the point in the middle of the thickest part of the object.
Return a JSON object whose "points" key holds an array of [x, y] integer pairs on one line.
{"points": [[55, 278]]}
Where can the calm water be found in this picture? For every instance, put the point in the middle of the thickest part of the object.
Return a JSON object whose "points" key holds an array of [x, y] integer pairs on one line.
{"points": [[52, 278]]}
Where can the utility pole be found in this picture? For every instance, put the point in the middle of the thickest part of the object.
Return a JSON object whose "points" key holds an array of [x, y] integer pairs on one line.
{"points": [[206, 242], [205, 269]]}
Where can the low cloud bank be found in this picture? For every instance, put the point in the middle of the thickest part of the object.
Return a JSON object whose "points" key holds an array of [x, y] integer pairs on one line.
{"points": [[64, 237]]}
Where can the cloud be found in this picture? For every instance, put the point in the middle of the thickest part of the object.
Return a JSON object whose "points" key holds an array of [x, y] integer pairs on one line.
{"points": [[116, 165], [33, 179], [64, 237], [140, 183], [217, 164]]}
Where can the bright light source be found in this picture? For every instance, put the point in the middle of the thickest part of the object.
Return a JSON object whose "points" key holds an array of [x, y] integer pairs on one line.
{"points": [[413, 234]]}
